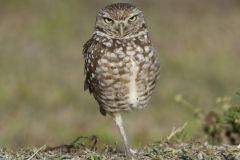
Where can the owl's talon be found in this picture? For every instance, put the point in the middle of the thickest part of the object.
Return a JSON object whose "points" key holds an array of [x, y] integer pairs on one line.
{"points": [[133, 151]]}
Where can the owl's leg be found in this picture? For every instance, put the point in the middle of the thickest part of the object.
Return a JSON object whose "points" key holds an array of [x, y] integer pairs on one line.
{"points": [[118, 120]]}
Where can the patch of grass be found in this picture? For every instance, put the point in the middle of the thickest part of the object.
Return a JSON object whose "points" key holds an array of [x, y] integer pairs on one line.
{"points": [[41, 68], [161, 150]]}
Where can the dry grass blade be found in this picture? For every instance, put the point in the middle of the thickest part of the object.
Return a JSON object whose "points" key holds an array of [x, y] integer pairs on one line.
{"points": [[175, 131], [37, 151]]}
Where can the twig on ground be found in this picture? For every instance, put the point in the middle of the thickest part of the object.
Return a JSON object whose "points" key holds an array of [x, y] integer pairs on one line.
{"points": [[73, 144]]}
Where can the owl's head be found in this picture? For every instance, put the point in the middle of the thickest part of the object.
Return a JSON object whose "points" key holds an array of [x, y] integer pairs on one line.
{"points": [[120, 20]]}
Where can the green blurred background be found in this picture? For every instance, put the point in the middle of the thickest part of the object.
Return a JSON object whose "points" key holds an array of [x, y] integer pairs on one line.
{"points": [[41, 68]]}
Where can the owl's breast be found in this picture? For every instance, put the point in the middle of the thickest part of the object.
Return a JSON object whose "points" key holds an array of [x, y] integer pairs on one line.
{"points": [[132, 85], [125, 77]]}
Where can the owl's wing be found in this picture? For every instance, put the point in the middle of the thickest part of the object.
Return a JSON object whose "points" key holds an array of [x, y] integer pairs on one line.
{"points": [[86, 52], [86, 47], [92, 51]]}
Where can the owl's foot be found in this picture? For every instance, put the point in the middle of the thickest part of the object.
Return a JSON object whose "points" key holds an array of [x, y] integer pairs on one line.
{"points": [[133, 151]]}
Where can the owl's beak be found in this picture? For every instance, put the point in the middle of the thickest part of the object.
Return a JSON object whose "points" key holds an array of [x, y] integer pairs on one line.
{"points": [[121, 29]]}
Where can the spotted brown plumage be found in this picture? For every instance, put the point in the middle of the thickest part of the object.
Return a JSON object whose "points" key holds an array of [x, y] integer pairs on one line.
{"points": [[120, 65]]}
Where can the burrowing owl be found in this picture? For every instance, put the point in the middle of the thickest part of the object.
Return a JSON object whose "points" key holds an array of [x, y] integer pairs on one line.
{"points": [[120, 66]]}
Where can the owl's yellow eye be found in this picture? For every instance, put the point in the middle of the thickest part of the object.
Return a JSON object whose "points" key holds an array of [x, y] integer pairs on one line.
{"points": [[133, 18], [108, 20]]}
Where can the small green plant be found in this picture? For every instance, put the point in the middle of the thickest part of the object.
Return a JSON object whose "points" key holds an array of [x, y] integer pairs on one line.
{"points": [[232, 121], [221, 124], [197, 111]]}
